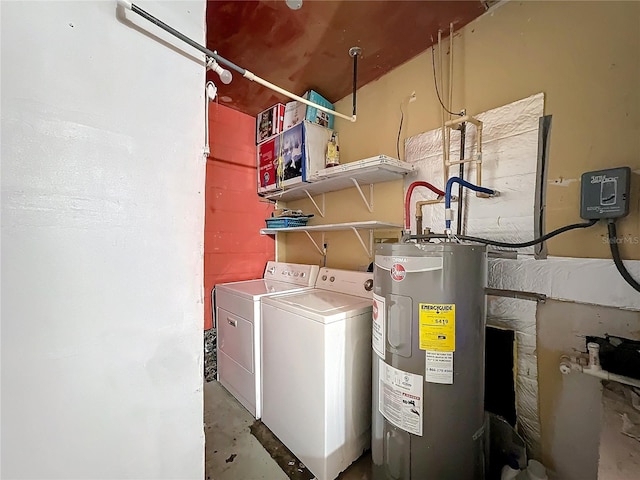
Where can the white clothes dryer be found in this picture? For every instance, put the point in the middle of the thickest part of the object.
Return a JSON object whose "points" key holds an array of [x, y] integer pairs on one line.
{"points": [[316, 378], [239, 323]]}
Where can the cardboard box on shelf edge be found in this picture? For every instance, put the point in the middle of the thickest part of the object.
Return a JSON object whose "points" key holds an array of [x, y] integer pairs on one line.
{"points": [[302, 149], [295, 112], [270, 123]]}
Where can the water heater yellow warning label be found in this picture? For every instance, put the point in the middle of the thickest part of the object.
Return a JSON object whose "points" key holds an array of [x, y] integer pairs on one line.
{"points": [[438, 327]]}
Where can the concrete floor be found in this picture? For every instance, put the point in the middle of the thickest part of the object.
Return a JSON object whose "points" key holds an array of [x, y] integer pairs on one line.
{"points": [[233, 453]]}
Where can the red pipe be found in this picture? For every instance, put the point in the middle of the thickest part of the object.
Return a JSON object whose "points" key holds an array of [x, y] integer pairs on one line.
{"points": [[407, 199]]}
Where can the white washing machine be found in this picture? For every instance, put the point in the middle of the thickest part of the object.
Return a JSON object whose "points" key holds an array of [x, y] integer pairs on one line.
{"points": [[316, 370], [238, 322]]}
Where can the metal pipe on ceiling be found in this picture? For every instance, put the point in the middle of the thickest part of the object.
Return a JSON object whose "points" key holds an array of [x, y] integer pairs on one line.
{"points": [[244, 72]]}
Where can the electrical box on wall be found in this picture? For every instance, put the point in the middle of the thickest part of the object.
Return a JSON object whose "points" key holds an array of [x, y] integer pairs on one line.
{"points": [[605, 193]]}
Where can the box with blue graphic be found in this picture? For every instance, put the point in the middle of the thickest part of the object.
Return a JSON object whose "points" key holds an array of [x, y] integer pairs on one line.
{"points": [[295, 112]]}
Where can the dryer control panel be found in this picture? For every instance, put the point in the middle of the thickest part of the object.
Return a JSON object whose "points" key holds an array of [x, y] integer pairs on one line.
{"points": [[349, 282], [296, 273]]}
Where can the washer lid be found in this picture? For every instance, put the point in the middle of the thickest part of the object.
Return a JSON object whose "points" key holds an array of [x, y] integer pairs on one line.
{"points": [[321, 305], [258, 288]]}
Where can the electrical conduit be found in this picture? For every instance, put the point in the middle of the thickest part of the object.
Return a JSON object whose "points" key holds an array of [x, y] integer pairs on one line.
{"points": [[447, 196]]}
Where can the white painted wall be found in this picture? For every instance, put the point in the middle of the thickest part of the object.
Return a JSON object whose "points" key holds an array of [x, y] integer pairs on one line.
{"points": [[102, 241]]}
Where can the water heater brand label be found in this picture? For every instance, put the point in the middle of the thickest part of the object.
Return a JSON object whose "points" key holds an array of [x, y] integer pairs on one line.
{"points": [[438, 367], [437, 327], [400, 398], [398, 272], [410, 264], [378, 339]]}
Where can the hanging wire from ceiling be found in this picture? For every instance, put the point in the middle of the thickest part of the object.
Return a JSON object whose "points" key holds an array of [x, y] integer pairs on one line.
{"points": [[435, 82], [399, 131]]}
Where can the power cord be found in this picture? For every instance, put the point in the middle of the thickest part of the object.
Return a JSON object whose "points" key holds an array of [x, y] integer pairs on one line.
{"points": [[612, 236], [495, 243], [615, 253]]}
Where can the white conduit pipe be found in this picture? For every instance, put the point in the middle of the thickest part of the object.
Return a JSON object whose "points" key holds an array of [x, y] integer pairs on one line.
{"points": [[450, 107], [568, 365], [210, 92], [445, 149], [477, 158], [207, 149], [254, 78]]}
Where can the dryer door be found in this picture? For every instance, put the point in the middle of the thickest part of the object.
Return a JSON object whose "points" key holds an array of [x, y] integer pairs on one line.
{"points": [[235, 337]]}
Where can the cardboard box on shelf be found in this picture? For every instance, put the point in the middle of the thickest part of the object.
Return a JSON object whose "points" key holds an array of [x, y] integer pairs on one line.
{"points": [[295, 112], [267, 166], [292, 156], [270, 123]]}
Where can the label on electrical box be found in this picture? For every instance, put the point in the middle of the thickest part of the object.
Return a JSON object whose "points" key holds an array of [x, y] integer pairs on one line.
{"points": [[437, 327], [400, 398], [378, 338], [438, 367], [605, 193]]}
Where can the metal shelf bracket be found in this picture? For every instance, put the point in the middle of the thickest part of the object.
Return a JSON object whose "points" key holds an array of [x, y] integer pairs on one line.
{"points": [[321, 251], [321, 211], [368, 203], [369, 250]]}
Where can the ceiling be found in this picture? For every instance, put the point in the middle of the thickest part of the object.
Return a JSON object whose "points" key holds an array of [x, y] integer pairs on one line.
{"points": [[308, 48]]}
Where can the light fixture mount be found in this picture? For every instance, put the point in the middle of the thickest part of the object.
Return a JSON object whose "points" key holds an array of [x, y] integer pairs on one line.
{"points": [[294, 4], [225, 75]]}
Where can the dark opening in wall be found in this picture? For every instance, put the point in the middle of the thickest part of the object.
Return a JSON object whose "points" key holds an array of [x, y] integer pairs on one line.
{"points": [[499, 383]]}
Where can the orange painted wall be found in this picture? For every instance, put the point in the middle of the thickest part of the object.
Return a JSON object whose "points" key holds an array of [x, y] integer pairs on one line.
{"points": [[233, 247]]}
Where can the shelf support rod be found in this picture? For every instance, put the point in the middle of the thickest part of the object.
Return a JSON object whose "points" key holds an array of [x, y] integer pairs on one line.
{"points": [[371, 252], [320, 211], [320, 250], [368, 203], [367, 250]]}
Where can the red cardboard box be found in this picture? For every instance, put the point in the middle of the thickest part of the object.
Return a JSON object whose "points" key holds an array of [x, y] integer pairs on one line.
{"points": [[269, 123], [268, 166]]}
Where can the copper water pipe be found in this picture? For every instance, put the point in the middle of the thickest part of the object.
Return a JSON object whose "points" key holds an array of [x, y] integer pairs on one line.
{"points": [[419, 206], [407, 199]]}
